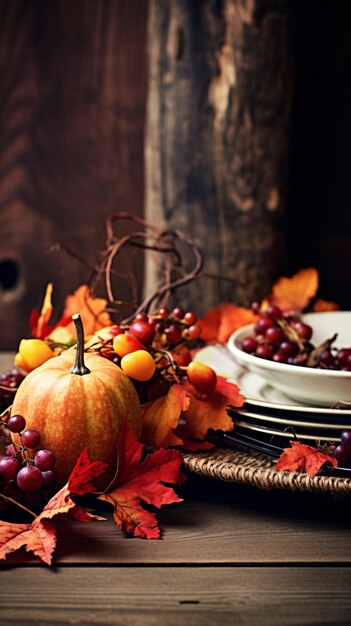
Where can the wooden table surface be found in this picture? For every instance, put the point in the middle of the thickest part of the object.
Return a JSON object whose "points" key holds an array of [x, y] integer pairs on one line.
{"points": [[228, 555]]}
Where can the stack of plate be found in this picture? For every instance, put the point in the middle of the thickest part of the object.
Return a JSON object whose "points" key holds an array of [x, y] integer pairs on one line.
{"points": [[269, 415]]}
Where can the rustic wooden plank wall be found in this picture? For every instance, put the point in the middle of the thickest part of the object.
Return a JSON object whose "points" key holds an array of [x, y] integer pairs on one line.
{"points": [[218, 119], [72, 100], [72, 112], [218, 167]]}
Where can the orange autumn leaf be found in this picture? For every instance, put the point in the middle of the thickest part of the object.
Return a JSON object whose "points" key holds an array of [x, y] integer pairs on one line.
{"points": [[92, 311], [39, 322], [39, 536], [294, 294], [301, 457], [211, 411], [46, 311], [221, 321], [321, 306], [142, 479], [161, 417]]}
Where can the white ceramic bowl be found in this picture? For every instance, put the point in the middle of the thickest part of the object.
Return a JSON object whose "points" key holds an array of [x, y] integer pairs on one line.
{"points": [[306, 385]]}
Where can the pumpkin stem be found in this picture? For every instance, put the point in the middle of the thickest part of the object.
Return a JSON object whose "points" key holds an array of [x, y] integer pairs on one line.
{"points": [[79, 367]]}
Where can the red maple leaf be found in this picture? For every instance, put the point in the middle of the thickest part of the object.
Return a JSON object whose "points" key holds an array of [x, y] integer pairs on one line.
{"points": [[148, 480], [39, 536], [304, 458], [84, 473]]}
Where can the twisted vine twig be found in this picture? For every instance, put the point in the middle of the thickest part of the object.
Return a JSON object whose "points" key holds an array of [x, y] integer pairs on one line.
{"points": [[147, 238]]}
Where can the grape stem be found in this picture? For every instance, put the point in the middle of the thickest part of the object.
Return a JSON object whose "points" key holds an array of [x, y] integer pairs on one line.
{"points": [[11, 389], [99, 345], [12, 501], [340, 404], [4, 413], [79, 367]]}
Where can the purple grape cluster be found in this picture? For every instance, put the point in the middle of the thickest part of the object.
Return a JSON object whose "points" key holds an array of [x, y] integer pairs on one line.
{"points": [[24, 479], [9, 383], [342, 451], [287, 339]]}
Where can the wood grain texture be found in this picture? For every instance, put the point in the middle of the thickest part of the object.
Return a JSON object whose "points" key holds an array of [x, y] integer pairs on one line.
{"points": [[217, 137], [217, 524], [72, 100], [158, 596]]}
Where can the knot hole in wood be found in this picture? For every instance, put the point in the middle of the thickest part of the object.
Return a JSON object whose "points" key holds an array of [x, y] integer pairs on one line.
{"points": [[10, 279]]}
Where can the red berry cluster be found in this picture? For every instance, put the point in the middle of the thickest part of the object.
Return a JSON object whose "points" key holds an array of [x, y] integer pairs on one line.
{"points": [[9, 383], [154, 349], [21, 478], [287, 339], [166, 328]]}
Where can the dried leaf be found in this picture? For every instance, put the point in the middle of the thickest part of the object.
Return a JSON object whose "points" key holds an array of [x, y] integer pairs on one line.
{"points": [[294, 294], [211, 411], [291, 333], [220, 322], [313, 357], [161, 417], [304, 458], [92, 311], [139, 481], [321, 306], [45, 314], [39, 322], [39, 536]]}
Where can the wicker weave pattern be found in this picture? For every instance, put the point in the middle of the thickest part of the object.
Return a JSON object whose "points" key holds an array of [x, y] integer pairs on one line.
{"points": [[252, 468]]}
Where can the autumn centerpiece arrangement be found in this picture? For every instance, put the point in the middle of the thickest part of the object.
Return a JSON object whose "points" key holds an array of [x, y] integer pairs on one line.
{"points": [[102, 410]]}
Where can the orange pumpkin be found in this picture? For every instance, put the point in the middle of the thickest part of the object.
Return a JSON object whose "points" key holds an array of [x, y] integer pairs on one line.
{"points": [[78, 407]]}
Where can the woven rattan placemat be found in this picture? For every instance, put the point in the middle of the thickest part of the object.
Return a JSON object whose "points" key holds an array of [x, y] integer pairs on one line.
{"points": [[239, 465]]}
